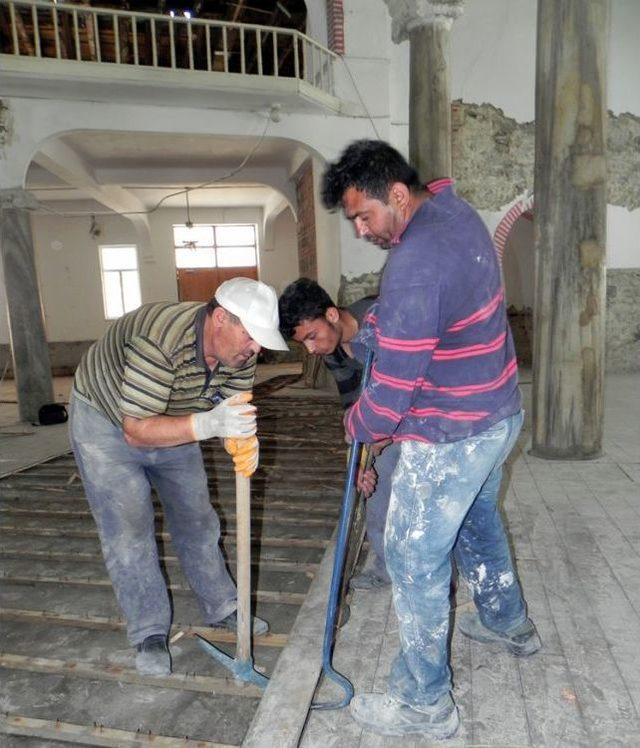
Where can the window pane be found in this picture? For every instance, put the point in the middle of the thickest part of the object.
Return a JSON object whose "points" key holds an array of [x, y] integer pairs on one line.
{"points": [[235, 235], [119, 258], [236, 257], [131, 290], [112, 295], [195, 258], [201, 236]]}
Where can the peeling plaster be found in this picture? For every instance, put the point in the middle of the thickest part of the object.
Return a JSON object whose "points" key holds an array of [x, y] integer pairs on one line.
{"points": [[623, 154], [493, 157]]}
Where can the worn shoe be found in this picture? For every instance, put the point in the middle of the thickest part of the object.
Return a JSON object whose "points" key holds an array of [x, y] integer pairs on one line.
{"points": [[152, 656], [385, 715], [258, 625], [368, 580], [522, 642]]}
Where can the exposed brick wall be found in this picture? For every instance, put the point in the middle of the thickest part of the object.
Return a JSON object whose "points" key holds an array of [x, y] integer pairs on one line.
{"points": [[307, 260], [335, 24]]}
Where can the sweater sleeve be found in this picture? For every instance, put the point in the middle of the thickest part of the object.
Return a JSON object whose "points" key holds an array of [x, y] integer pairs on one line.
{"points": [[407, 332]]}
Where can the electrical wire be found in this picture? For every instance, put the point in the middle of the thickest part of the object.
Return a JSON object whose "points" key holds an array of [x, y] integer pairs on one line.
{"points": [[184, 191], [357, 90]]}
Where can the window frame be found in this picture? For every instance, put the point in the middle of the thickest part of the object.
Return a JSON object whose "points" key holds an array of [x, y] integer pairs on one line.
{"points": [[215, 246], [120, 271]]}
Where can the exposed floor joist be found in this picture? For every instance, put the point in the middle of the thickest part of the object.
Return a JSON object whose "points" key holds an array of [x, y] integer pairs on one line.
{"points": [[61, 627]]}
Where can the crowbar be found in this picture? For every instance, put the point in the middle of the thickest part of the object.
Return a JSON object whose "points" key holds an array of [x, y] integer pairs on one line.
{"points": [[344, 528]]}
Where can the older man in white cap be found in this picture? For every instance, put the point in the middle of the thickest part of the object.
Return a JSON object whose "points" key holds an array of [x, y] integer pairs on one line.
{"points": [[163, 378]]}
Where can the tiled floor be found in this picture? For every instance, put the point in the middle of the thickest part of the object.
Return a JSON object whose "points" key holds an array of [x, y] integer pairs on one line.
{"points": [[575, 528]]}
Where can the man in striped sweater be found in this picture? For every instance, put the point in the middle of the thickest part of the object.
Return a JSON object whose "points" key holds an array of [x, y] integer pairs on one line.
{"points": [[444, 385], [163, 378]]}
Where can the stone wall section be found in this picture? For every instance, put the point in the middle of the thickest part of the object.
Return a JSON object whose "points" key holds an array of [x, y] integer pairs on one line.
{"points": [[623, 320], [493, 156]]}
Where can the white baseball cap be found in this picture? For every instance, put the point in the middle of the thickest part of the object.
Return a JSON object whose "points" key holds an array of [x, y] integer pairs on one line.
{"points": [[256, 305]]}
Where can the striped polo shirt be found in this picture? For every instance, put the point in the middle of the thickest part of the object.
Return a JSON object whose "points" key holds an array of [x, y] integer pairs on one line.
{"points": [[445, 365], [151, 362]]}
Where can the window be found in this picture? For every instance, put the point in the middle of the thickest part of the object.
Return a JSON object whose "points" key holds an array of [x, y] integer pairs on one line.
{"points": [[220, 245], [120, 280]]}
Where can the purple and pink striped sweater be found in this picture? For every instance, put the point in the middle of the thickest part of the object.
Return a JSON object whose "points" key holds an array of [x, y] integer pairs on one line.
{"points": [[445, 365]]}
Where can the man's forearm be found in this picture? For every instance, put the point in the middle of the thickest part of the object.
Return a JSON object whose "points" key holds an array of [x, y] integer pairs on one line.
{"points": [[158, 431]]}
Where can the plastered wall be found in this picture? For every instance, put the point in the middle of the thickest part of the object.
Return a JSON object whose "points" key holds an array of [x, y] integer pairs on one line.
{"points": [[69, 270]]}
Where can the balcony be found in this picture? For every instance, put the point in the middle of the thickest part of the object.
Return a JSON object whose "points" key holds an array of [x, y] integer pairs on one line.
{"points": [[58, 50]]}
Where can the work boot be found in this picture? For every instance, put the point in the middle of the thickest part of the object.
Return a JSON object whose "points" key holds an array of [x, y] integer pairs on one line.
{"points": [[369, 580], [385, 715], [152, 656], [521, 642], [258, 625]]}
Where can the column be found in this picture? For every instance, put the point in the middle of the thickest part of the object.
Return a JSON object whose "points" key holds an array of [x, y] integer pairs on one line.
{"points": [[570, 229], [29, 350], [427, 25]]}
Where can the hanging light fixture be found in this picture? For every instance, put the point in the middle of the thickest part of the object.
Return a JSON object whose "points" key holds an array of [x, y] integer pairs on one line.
{"points": [[191, 242]]}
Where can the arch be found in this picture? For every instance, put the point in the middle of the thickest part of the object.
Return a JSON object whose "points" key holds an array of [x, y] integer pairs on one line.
{"points": [[523, 207]]}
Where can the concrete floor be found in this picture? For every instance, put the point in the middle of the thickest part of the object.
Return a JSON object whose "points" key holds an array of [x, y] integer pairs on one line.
{"points": [[575, 527]]}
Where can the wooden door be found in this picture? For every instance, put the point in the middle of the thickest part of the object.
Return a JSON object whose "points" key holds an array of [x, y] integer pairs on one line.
{"points": [[199, 284]]}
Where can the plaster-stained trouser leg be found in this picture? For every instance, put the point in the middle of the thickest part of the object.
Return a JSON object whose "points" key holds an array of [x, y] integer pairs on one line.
{"points": [[483, 558], [180, 479], [118, 492], [434, 486], [377, 505]]}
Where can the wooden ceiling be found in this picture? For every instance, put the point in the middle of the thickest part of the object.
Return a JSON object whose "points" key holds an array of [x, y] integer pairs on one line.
{"points": [[291, 14]]}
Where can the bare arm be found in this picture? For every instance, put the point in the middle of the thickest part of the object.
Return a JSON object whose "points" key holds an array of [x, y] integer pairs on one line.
{"points": [[158, 431]]}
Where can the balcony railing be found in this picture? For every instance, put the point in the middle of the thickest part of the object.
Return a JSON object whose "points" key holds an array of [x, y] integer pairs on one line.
{"points": [[80, 33]]}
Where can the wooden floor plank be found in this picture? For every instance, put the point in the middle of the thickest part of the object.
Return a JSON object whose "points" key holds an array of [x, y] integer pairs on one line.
{"points": [[93, 735], [607, 713]]}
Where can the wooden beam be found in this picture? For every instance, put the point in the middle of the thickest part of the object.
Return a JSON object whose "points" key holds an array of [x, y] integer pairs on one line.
{"points": [[99, 735], [84, 514], [263, 596], [98, 671], [101, 623], [227, 537], [284, 708], [329, 509], [278, 565], [570, 230]]}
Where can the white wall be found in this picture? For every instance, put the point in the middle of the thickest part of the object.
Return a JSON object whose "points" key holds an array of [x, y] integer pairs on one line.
{"points": [[279, 264], [624, 57], [69, 270], [518, 265], [493, 55]]}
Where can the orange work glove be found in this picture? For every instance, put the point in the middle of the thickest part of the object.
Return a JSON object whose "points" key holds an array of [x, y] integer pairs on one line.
{"points": [[245, 453]]}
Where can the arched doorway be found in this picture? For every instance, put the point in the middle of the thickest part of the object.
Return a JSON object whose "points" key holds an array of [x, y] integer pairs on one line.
{"points": [[513, 239]]}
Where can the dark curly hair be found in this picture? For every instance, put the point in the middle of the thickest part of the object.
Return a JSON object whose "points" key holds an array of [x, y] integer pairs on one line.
{"points": [[301, 300], [371, 166]]}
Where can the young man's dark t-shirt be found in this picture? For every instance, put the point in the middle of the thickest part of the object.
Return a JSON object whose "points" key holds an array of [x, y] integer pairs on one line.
{"points": [[347, 371]]}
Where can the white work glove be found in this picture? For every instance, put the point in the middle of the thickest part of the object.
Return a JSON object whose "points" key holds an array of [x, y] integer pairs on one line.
{"points": [[232, 417]]}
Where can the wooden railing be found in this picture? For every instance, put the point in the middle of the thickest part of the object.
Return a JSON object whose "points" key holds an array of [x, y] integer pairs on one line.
{"points": [[65, 31]]}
